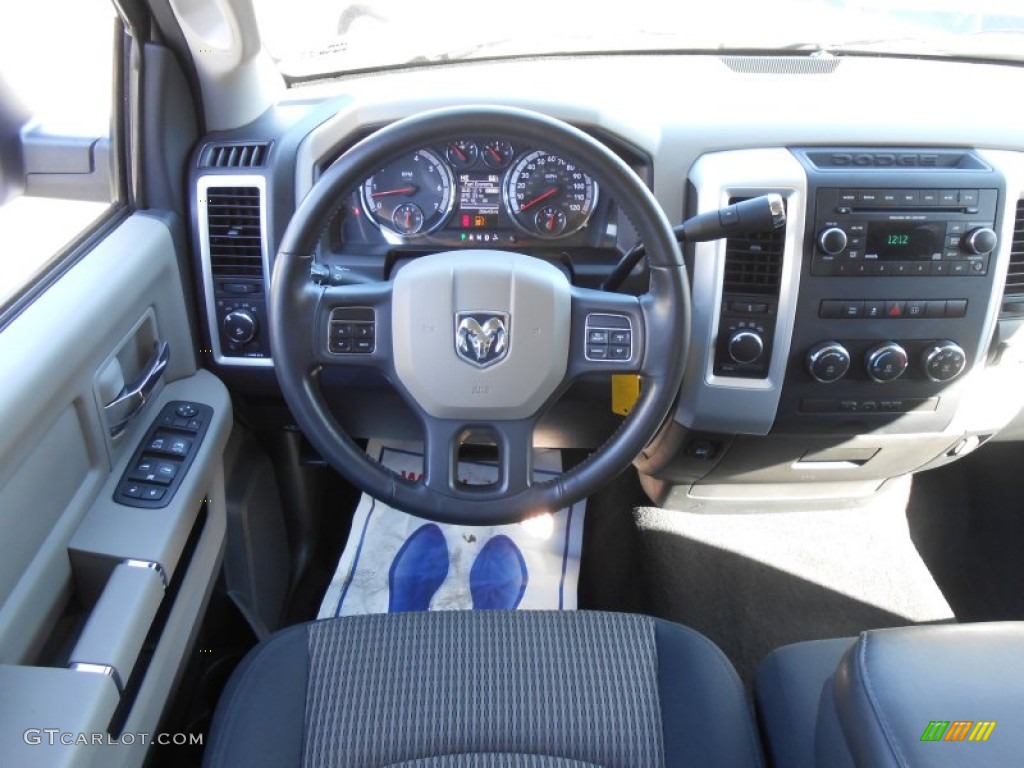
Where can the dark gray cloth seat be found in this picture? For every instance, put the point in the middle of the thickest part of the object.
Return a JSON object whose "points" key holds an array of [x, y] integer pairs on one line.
{"points": [[485, 688]]}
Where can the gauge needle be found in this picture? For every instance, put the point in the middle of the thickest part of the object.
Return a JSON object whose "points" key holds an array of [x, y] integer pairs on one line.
{"points": [[495, 154], [399, 191], [538, 199], [459, 152]]}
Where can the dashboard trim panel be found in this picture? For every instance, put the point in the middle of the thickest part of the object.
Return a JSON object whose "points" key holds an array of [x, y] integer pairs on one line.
{"points": [[731, 404]]}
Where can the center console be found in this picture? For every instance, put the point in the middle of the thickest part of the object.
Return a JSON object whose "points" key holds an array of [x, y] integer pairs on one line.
{"points": [[896, 289]]}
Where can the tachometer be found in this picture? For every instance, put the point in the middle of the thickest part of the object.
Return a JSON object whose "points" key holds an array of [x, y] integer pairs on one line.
{"points": [[410, 196], [549, 196]]}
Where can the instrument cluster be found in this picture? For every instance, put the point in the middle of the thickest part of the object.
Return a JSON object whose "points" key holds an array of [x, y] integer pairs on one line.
{"points": [[478, 190]]}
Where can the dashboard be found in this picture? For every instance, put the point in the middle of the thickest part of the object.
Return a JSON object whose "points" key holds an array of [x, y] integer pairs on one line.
{"points": [[873, 336]]}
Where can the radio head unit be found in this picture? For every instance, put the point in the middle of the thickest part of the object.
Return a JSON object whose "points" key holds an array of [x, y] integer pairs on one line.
{"points": [[922, 232]]}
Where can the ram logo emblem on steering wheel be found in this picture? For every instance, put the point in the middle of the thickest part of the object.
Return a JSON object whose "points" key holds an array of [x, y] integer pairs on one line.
{"points": [[481, 338]]}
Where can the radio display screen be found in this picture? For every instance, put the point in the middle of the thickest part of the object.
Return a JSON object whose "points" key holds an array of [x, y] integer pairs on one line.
{"points": [[904, 241]]}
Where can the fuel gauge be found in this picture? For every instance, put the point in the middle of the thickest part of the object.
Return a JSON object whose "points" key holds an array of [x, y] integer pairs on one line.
{"points": [[462, 153]]}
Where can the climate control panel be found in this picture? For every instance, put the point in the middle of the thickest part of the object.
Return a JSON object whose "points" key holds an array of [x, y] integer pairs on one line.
{"points": [[886, 361]]}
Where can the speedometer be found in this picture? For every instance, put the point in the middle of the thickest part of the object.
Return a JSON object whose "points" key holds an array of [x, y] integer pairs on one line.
{"points": [[549, 196]]}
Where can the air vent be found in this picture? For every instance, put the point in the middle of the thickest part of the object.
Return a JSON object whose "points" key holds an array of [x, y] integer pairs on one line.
{"points": [[233, 223], [753, 263], [781, 65], [1013, 295], [251, 155]]}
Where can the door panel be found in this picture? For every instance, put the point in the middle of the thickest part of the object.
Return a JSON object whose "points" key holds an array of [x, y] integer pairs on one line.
{"points": [[62, 533]]}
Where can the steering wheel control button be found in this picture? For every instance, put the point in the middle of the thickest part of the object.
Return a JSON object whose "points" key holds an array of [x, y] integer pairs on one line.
{"points": [[886, 362], [352, 330], [944, 361], [609, 338], [828, 361]]}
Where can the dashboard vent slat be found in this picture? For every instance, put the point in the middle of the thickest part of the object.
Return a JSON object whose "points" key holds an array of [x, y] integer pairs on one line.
{"points": [[1013, 294], [235, 231], [753, 263], [248, 155]]}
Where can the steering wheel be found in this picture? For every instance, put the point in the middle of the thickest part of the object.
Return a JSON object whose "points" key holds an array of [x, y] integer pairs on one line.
{"points": [[478, 342]]}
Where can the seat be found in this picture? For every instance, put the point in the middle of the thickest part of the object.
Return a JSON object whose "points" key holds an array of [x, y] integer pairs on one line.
{"points": [[929, 696], [485, 688]]}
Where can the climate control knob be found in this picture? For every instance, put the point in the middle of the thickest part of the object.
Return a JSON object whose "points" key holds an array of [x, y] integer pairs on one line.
{"points": [[886, 362], [943, 361], [980, 241], [240, 326], [832, 241], [828, 361], [745, 347]]}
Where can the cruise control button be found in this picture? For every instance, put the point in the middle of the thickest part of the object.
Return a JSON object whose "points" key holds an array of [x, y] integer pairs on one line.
{"points": [[618, 353], [597, 337], [597, 352], [365, 331], [343, 346], [621, 337], [363, 346]]}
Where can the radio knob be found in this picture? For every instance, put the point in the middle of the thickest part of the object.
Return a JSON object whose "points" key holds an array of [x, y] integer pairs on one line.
{"points": [[745, 347], [828, 361], [944, 361], [886, 362], [980, 241], [832, 241], [240, 326]]}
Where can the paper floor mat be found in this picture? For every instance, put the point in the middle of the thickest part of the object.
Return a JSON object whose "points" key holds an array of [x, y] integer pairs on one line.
{"points": [[393, 561]]}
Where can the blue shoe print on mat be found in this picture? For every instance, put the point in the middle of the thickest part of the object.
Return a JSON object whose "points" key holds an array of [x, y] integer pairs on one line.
{"points": [[418, 570], [498, 577]]}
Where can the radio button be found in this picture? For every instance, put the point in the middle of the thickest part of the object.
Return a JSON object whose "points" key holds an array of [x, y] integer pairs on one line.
{"points": [[959, 267], [949, 197], [956, 227], [980, 241], [868, 197], [969, 198], [901, 268], [858, 229], [832, 241], [889, 198], [847, 197], [935, 309], [939, 268], [919, 268], [909, 196], [929, 197]]}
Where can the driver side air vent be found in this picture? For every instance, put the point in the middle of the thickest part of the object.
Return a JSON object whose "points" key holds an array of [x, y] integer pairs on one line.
{"points": [[249, 155], [753, 263], [235, 231], [1013, 294]]}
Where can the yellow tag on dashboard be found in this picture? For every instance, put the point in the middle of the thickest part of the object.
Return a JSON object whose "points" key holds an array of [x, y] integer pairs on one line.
{"points": [[625, 392]]}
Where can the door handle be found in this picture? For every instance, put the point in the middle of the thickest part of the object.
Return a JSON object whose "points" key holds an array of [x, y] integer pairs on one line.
{"points": [[123, 408]]}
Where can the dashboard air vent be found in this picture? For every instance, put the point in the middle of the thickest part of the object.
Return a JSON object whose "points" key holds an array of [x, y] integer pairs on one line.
{"points": [[782, 65], [250, 155], [753, 263], [235, 231], [1013, 295]]}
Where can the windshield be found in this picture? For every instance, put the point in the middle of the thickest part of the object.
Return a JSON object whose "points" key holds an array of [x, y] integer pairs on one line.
{"points": [[309, 38]]}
